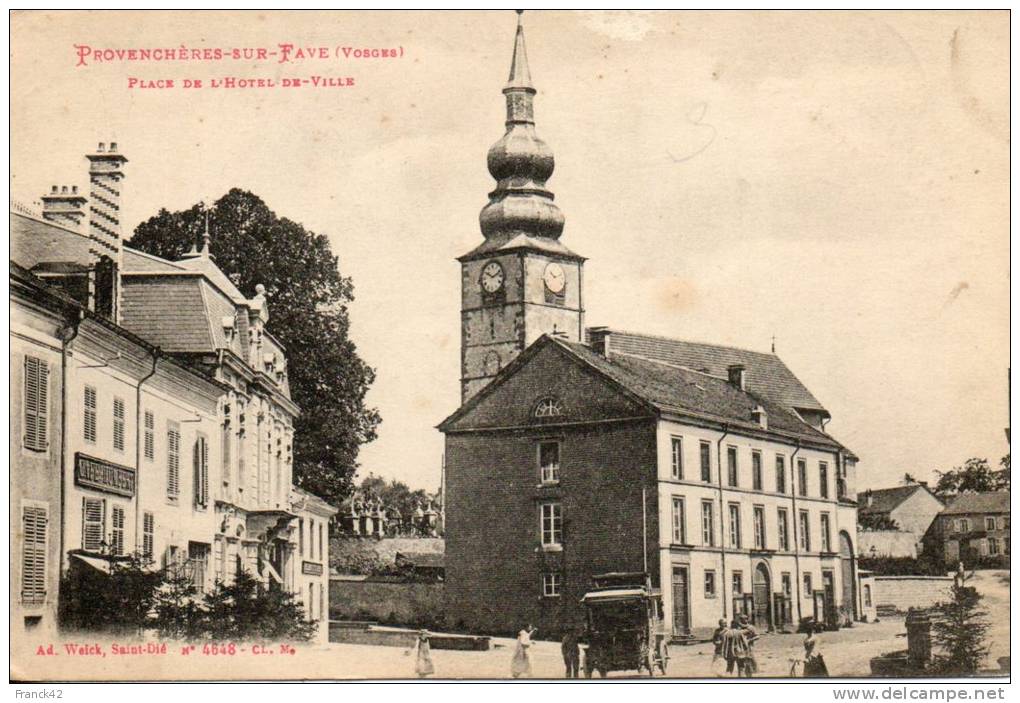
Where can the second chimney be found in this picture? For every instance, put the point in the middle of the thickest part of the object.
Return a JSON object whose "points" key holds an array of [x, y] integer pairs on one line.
{"points": [[598, 338], [64, 207], [737, 375]]}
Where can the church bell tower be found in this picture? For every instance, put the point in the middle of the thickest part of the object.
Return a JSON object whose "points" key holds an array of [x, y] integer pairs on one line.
{"points": [[521, 282]]}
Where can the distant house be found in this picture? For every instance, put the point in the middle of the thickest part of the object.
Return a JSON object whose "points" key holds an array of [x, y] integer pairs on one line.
{"points": [[913, 508], [973, 528]]}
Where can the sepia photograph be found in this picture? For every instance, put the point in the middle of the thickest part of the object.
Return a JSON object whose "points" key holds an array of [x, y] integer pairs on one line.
{"points": [[509, 345]]}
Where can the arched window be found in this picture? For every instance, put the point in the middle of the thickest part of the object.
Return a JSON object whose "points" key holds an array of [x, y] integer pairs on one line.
{"points": [[548, 407], [492, 364]]}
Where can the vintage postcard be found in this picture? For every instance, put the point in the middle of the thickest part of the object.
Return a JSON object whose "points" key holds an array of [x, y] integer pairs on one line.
{"points": [[509, 345]]}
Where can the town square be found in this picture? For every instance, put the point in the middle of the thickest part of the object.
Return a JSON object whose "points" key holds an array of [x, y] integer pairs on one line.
{"points": [[728, 397]]}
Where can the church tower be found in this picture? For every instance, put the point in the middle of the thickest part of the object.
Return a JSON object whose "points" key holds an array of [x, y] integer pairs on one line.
{"points": [[521, 282]]}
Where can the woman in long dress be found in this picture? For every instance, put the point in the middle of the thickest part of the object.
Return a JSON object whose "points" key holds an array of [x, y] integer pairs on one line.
{"points": [[520, 665], [423, 657], [814, 662]]}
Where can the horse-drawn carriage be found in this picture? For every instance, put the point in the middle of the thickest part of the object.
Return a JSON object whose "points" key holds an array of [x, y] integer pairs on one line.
{"points": [[624, 627]]}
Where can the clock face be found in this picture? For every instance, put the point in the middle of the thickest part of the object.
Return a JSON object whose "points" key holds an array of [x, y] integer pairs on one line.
{"points": [[492, 277], [555, 279]]}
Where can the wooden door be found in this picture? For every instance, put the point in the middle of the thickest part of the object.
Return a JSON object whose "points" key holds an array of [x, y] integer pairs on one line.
{"points": [[847, 576], [681, 606], [761, 589]]}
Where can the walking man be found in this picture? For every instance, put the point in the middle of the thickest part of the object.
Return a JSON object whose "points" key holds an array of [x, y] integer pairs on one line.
{"points": [[571, 652]]}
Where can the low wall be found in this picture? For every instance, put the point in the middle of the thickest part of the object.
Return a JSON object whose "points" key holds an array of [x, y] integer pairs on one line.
{"points": [[887, 543], [393, 637], [905, 592], [385, 600]]}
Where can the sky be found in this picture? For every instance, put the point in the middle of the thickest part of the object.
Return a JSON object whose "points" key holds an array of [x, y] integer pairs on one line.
{"points": [[837, 180]]}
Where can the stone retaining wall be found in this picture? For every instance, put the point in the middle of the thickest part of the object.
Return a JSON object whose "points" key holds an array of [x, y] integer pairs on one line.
{"points": [[904, 592]]}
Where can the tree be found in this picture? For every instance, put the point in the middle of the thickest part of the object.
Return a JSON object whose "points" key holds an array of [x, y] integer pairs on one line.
{"points": [[395, 494], [176, 614], [958, 630], [975, 476], [116, 602], [308, 299]]}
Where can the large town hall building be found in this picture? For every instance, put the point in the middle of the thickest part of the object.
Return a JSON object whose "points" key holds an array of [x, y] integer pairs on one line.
{"points": [[582, 451]]}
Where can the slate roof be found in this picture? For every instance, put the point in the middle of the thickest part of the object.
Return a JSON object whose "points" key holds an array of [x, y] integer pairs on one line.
{"points": [[140, 262], [766, 373], [970, 503], [885, 500], [169, 311], [311, 498], [219, 279], [35, 240], [680, 390], [667, 389], [43, 289]]}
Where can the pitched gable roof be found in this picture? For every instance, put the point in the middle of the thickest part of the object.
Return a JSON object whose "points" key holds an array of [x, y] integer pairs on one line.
{"points": [[766, 373], [968, 503], [665, 389], [885, 500], [676, 389]]}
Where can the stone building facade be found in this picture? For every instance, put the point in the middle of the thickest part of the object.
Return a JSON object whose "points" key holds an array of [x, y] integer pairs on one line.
{"points": [[177, 438], [913, 508], [973, 528]]}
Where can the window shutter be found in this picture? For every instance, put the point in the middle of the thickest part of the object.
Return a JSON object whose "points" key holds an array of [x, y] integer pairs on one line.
{"points": [[201, 477], [118, 424], [173, 462], [93, 523], [205, 471], [118, 530], [150, 438], [90, 414], [33, 555], [148, 530], [37, 373]]}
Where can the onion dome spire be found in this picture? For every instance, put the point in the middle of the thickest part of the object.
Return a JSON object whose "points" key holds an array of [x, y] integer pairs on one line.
{"points": [[521, 163]]}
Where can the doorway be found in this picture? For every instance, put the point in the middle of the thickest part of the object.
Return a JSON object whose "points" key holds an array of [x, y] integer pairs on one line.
{"points": [[681, 601], [847, 576], [761, 590]]}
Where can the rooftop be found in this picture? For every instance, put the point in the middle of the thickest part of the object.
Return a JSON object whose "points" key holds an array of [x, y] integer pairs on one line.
{"points": [[970, 503], [884, 500], [766, 373]]}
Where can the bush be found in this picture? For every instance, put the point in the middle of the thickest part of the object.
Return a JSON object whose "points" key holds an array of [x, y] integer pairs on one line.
{"points": [[248, 610], [133, 599], [902, 566]]}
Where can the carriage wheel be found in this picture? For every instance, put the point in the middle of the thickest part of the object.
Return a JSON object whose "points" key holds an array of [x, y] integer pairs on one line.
{"points": [[646, 659], [663, 658]]}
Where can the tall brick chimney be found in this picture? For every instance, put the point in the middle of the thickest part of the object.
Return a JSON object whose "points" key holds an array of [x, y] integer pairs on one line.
{"points": [[64, 207], [105, 176]]}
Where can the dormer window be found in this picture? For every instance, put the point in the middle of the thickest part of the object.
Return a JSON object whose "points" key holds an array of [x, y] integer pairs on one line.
{"points": [[548, 407], [228, 327]]}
